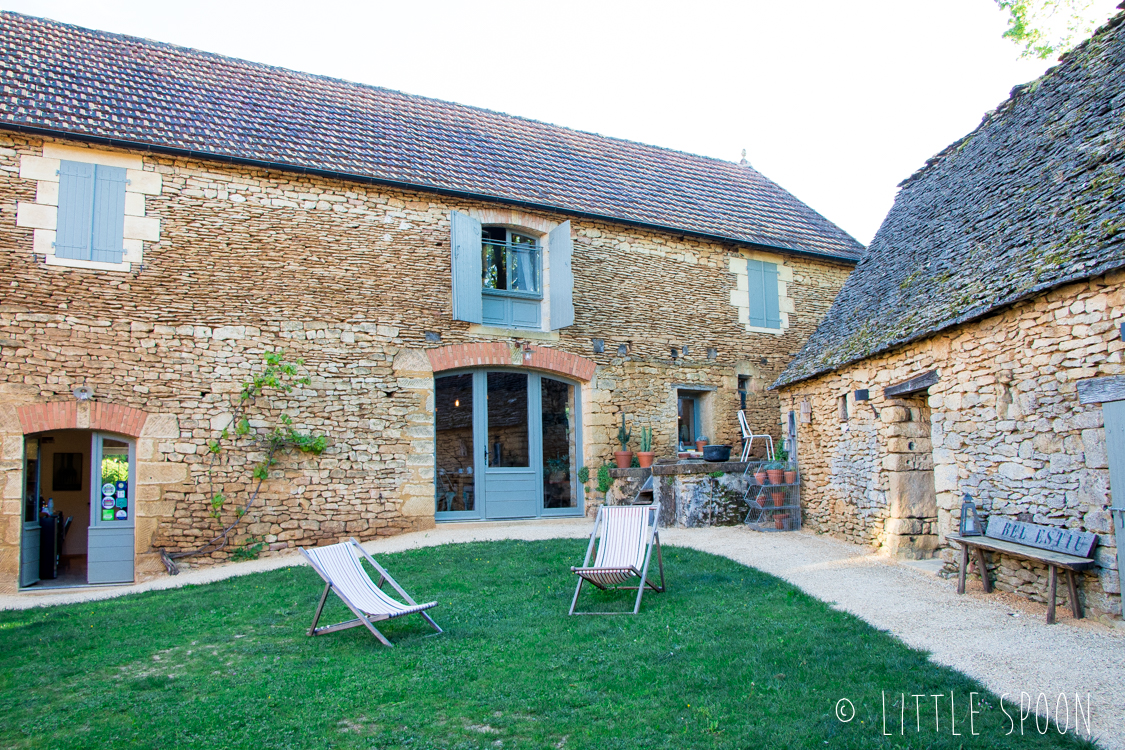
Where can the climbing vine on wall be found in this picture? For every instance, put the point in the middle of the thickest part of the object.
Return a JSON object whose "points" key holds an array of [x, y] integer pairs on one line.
{"points": [[276, 377]]}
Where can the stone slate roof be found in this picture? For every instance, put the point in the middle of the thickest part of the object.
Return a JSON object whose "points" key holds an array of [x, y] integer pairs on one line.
{"points": [[1032, 199], [135, 92]]}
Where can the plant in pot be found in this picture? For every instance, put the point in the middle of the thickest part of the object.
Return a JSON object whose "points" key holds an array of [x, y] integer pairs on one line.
{"points": [[760, 475], [702, 441], [782, 457], [645, 455], [557, 469], [781, 521], [624, 456], [778, 497], [776, 472]]}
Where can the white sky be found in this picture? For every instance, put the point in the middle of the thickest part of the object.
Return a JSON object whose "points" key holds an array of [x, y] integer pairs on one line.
{"points": [[836, 101]]}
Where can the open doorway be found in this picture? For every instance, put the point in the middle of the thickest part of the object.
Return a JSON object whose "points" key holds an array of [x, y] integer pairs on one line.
{"points": [[78, 509]]}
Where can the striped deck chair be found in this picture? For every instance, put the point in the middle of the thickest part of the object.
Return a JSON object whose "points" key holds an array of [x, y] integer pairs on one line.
{"points": [[343, 573], [628, 535]]}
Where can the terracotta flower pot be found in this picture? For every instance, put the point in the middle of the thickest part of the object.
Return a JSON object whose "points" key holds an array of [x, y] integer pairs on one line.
{"points": [[790, 477], [624, 459], [646, 458], [778, 498], [777, 476], [761, 477], [699, 445], [780, 521]]}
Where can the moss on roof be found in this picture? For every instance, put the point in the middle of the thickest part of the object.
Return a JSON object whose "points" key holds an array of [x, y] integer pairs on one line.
{"points": [[1032, 199]]}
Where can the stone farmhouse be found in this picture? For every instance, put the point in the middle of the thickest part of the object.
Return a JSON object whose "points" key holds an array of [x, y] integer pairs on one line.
{"points": [[954, 358], [478, 300]]}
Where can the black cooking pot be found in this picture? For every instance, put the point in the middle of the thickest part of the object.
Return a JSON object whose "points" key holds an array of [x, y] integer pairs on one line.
{"points": [[716, 453]]}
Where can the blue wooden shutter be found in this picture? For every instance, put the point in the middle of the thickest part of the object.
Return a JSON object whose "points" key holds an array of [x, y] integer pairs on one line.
{"points": [[76, 210], [107, 242], [466, 267], [765, 303], [772, 299], [559, 250]]}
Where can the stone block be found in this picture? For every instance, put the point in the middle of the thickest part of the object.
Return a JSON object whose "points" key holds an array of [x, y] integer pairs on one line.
{"points": [[148, 183], [915, 547], [908, 462], [36, 216], [161, 426], [945, 478], [411, 361], [1015, 471], [140, 228], [161, 472], [911, 494], [1093, 447]]}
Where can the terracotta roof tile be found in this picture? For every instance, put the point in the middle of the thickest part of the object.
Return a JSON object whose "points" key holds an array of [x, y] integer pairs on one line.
{"points": [[62, 78]]}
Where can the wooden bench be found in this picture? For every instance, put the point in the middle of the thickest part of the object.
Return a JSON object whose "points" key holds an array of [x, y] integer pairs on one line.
{"points": [[1046, 546]]}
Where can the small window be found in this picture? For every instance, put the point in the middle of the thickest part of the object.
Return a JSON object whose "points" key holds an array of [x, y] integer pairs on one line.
{"points": [[843, 401], [743, 389], [510, 261], [690, 418]]}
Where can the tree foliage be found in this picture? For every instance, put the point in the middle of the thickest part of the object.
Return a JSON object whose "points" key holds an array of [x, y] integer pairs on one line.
{"points": [[1043, 28]]}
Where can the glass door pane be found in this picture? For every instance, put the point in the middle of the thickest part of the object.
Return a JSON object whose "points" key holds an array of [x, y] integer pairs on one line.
{"points": [[453, 416], [558, 445], [507, 420], [113, 481]]}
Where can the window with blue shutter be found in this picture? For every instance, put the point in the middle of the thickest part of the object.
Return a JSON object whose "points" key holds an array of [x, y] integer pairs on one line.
{"points": [[765, 302], [91, 215], [497, 275]]}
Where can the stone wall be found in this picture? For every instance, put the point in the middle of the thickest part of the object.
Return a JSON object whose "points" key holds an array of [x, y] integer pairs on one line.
{"points": [[1005, 427], [354, 280]]}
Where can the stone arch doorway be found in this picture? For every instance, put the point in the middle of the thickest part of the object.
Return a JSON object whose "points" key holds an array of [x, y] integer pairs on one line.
{"points": [[508, 431], [59, 450]]}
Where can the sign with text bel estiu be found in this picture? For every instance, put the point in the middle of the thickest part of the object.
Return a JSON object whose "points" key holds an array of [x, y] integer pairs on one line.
{"points": [[1044, 537]]}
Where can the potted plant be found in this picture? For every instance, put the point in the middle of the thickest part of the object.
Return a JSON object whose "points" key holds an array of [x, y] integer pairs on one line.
{"points": [[776, 472], [778, 497], [780, 521], [646, 455], [624, 456], [557, 469], [760, 475], [702, 441], [782, 457]]}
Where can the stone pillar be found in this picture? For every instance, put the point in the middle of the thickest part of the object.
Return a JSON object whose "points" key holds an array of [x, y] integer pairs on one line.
{"points": [[415, 375], [911, 528]]}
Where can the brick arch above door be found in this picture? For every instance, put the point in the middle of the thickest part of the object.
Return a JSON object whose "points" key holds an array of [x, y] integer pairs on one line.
{"points": [[499, 353], [72, 415]]}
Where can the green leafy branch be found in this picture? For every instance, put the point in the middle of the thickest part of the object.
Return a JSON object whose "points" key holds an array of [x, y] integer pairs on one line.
{"points": [[278, 376]]}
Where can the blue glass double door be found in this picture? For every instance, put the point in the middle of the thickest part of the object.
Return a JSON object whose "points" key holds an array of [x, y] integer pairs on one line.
{"points": [[507, 445]]}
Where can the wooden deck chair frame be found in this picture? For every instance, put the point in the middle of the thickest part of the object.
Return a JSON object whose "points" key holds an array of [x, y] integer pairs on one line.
{"points": [[363, 618], [652, 539]]}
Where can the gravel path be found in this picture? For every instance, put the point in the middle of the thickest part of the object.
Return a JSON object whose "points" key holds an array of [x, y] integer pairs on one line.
{"points": [[999, 639]]}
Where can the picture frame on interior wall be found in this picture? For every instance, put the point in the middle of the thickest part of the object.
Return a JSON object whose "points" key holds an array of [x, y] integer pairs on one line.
{"points": [[66, 474]]}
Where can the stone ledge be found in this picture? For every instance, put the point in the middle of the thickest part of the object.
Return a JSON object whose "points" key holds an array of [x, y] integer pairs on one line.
{"points": [[699, 467]]}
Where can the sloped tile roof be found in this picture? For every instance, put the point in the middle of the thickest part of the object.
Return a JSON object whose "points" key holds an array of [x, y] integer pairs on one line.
{"points": [[66, 79], [1032, 199]]}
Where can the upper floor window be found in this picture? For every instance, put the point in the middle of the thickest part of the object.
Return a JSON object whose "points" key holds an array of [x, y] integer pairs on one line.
{"points": [[510, 278], [91, 218], [510, 261]]}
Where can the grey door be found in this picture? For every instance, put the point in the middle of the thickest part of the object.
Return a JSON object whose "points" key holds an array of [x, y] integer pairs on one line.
{"points": [[29, 534], [511, 446], [112, 510]]}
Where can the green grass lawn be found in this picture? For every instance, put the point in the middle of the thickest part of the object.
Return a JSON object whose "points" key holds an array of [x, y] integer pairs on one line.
{"points": [[729, 657]]}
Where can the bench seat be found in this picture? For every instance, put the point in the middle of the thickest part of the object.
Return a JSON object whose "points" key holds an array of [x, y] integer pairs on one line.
{"points": [[1053, 560]]}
